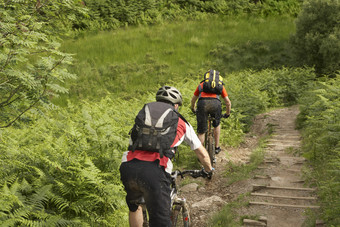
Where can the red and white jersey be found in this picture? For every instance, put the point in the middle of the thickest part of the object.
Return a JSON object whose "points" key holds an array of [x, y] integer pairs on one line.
{"points": [[185, 132]]}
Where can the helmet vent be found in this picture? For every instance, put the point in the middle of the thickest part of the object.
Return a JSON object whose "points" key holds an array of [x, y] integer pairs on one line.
{"points": [[170, 94]]}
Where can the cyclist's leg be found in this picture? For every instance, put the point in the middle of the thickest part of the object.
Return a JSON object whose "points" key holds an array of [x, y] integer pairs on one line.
{"points": [[201, 137], [148, 179], [217, 131], [217, 113], [157, 196], [136, 218], [128, 178], [202, 119]]}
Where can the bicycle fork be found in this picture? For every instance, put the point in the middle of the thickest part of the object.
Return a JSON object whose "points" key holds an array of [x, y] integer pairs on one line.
{"points": [[180, 207]]}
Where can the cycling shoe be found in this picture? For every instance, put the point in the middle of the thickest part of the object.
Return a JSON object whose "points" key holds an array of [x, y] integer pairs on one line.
{"points": [[217, 150]]}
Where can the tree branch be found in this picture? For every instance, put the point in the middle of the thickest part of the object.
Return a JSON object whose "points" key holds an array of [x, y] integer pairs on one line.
{"points": [[35, 102], [5, 103], [15, 119]]}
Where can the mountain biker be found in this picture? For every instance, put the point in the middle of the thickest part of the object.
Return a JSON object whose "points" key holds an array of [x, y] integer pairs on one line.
{"points": [[147, 173], [209, 103]]}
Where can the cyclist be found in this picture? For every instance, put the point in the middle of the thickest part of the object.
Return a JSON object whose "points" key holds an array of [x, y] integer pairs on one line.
{"points": [[146, 166], [209, 103]]}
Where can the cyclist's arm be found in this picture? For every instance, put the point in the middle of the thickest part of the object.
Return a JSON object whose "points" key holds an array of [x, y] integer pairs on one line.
{"points": [[227, 104], [203, 156], [193, 102], [195, 144]]}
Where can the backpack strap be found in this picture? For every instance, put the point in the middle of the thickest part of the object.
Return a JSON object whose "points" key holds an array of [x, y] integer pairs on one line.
{"points": [[181, 116]]}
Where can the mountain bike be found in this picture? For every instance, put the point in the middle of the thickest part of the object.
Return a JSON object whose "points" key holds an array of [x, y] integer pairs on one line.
{"points": [[209, 140], [180, 215]]}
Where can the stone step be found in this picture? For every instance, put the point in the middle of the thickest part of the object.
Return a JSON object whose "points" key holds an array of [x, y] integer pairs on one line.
{"points": [[284, 196], [259, 187], [284, 205], [250, 222]]}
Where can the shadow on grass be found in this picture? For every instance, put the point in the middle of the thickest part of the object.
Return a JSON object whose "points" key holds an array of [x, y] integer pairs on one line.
{"points": [[255, 55]]}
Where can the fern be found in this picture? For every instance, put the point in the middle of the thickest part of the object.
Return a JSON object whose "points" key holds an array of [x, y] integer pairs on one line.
{"points": [[319, 119]]}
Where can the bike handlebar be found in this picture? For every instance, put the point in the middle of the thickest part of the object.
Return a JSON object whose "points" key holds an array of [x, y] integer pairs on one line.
{"points": [[193, 173]]}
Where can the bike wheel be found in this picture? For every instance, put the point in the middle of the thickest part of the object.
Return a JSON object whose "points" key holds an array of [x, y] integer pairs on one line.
{"points": [[180, 216], [210, 147], [145, 217]]}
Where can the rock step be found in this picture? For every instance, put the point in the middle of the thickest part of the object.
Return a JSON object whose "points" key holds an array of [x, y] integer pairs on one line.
{"points": [[249, 222], [284, 196], [259, 187], [295, 200], [284, 205]]}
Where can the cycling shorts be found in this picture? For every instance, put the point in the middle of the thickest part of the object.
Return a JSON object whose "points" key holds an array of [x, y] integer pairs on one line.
{"points": [[148, 179], [206, 106]]}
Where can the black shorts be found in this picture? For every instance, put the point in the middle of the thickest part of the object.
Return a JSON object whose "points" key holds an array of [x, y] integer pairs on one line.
{"points": [[206, 106], [148, 179]]}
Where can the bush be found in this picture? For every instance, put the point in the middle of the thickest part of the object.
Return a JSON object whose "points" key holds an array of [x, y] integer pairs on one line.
{"points": [[252, 92], [317, 38], [106, 14], [319, 120]]}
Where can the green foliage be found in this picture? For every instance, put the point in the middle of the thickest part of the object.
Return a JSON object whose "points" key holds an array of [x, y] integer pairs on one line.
{"points": [[253, 55], [121, 60], [319, 119], [106, 14], [227, 216], [77, 152], [259, 91], [279, 7], [32, 68], [317, 38], [237, 172]]}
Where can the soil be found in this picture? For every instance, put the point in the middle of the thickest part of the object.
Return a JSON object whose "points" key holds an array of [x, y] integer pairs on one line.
{"points": [[278, 193]]}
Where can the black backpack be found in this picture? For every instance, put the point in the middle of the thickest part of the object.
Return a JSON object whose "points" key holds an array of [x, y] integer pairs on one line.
{"points": [[155, 129], [213, 82]]}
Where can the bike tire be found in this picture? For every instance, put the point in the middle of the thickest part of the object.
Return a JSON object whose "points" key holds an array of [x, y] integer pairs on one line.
{"points": [[210, 147], [180, 217], [145, 218]]}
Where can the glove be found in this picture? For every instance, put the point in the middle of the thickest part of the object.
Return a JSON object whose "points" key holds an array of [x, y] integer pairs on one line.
{"points": [[196, 173], [225, 115], [207, 174]]}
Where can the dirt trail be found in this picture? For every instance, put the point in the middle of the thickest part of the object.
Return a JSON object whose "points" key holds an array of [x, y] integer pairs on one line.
{"points": [[277, 188]]}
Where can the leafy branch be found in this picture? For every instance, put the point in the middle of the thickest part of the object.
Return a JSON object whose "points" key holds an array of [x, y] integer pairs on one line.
{"points": [[26, 72]]}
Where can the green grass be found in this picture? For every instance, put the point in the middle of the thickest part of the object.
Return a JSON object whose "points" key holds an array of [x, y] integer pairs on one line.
{"points": [[146, 57], [236, 173], [227, 217]]}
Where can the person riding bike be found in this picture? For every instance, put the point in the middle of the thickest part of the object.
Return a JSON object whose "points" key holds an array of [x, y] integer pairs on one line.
{"points": [[146, 167], [208, 94]]}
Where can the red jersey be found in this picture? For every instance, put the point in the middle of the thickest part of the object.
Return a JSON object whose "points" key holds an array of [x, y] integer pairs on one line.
{"points": [[199, 92]]}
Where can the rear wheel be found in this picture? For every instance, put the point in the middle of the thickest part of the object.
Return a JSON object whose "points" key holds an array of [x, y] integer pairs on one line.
{"points": [[145, 217], [211, 149]]}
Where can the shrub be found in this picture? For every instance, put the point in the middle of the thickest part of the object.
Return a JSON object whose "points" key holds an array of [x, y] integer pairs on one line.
{"points": [[319, 120], [317, 38]]}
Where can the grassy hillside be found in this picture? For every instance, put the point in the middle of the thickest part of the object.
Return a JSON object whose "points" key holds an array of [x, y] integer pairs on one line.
{"points": [[140, 59]]}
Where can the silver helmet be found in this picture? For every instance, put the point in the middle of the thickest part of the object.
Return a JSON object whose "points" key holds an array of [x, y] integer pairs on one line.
{"points": [[171, 94]]}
